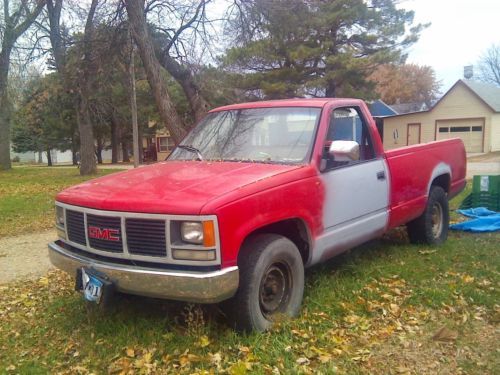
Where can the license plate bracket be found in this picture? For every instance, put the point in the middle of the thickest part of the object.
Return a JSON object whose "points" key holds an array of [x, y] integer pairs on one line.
{"points": [[95, 286]]}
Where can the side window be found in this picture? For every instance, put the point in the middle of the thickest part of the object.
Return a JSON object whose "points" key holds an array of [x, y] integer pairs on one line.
{"points": [[347, 124]]}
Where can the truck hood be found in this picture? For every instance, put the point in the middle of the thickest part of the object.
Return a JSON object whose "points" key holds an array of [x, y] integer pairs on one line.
{"points": [[173, 187]]}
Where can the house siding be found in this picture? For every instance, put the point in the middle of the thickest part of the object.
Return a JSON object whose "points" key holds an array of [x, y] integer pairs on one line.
{"points": [[495, 132], [459, 104]]}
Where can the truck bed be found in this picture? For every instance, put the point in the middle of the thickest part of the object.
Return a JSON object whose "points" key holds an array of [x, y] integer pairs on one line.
{"points": [[413, 168]]}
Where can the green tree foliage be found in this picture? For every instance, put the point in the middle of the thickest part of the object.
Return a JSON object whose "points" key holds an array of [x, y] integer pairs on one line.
{"points": [[46, 120], [315, 47]]}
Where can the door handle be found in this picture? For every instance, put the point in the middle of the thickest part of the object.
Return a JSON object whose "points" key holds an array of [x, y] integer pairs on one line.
{"points": [[381, 175]]}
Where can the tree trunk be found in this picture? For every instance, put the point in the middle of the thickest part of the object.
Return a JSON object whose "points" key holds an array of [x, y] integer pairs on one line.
{"points": [[115, 138], [40, 157], [141, 148], [5, 108], [125, 156], [74, 148], [168, 113], [49, 158], [183, 76], [330, 90], [98, 152], [15, 23], [87, 148], [5, 162], [54, 8]]}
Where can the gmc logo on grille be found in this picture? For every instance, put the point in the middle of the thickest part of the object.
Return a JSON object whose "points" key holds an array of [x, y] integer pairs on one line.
{"points": [[107, 234]]}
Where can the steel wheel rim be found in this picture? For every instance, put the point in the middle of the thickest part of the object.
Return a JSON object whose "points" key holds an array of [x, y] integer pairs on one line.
{"points": [[274, 289], [437, 220]]}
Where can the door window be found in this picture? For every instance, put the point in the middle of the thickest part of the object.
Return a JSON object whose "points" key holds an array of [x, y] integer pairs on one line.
{"points": [[347, 124]]}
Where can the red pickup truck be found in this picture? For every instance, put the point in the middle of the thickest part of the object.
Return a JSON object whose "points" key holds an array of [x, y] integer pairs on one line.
{"points": [[252, 195]]}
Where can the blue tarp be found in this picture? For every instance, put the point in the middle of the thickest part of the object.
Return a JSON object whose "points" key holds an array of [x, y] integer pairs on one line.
{"points": [[483, 220]]}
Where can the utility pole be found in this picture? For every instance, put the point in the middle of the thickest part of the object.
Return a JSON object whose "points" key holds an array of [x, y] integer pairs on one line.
{"points": [[133, 105]]}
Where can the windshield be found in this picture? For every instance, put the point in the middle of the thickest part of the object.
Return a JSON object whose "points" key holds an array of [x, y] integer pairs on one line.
{"points": [[282, 135]]}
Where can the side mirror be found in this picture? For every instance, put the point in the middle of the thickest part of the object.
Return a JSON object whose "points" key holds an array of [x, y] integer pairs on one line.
{"points": [[344, 151]]}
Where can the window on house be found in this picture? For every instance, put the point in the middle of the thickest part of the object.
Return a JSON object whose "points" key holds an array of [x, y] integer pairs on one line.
{"points": [[165, 144]]}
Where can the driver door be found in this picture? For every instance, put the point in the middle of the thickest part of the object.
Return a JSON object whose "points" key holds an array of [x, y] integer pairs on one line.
{"points": [[357, 191]]}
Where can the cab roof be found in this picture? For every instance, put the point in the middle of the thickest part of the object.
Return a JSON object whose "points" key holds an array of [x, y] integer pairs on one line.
{"points": [[298, 102]]}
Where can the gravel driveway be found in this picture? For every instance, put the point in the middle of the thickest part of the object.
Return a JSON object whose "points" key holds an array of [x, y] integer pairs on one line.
{"points": [[483, 168], [26, 256]]}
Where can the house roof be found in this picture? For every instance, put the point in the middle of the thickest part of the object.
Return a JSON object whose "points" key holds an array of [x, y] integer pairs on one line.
{"points": [[487, 93], [379, 109], [402, 108]]}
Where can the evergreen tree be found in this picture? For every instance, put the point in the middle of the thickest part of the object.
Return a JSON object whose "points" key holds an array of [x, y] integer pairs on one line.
{"points": [[316, 47]]}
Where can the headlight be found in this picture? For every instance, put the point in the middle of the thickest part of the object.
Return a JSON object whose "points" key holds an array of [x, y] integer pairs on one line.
{"points": [[192, 232], [59, 216], [198, 232]]}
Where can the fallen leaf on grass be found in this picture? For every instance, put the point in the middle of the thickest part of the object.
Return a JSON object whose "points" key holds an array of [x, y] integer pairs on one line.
{"points": [[445, 334], [403, 370], [324, 358], [240, 368], [302, 361], [426, 252], [467, 279], [120, 366], [394, 309], [204, 341], [215, 359]]}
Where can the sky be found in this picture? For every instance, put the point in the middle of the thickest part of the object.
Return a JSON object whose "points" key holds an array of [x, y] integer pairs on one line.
{"points": [[460, 31]]}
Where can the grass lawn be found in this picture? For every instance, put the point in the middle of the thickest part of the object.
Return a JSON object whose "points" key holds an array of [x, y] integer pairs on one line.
{"points": [[386, 307], [27, 196]]}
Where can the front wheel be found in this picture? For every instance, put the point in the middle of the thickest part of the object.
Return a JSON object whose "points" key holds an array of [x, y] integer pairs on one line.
{"points": [[271, 283], [432, 226]]}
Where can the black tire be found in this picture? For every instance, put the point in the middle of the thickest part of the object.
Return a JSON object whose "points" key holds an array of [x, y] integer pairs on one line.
{"points": [[271, 283], [431, 227]]}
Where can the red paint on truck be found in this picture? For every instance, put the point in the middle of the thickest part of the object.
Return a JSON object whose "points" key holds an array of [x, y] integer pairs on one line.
{"points": [[247, 198]]}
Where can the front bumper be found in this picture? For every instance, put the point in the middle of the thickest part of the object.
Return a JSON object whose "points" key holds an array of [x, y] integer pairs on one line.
{"points": [[208, 287]]}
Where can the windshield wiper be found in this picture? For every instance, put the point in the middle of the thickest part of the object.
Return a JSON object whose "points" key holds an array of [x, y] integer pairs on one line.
{"points": [[192, 149]]}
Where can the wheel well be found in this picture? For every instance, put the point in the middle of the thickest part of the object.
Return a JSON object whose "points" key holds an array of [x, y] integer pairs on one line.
{"points": [[442, 181], [293, 229]]}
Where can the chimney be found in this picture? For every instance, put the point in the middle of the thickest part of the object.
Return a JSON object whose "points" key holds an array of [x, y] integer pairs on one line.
{"points": [[468, 72]]}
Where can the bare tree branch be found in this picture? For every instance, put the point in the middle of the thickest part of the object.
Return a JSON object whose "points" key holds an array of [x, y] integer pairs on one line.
{"points": [[489, 65]]}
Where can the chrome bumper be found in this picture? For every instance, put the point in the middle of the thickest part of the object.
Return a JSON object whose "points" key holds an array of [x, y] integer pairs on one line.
{"points": [[209, 287]]}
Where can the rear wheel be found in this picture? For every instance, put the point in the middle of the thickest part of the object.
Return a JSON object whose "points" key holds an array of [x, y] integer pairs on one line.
{"points": [[432, 226], [271, 283]]}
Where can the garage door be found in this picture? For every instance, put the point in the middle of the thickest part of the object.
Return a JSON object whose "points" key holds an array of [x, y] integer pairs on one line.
{"points": [[470, 131]]}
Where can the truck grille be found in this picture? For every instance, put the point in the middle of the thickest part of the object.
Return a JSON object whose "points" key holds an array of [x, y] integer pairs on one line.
{"points": [[105, 233], [146, 237], [76, 227]]}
